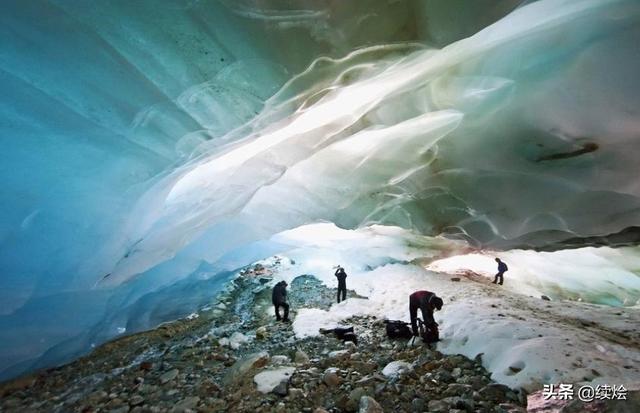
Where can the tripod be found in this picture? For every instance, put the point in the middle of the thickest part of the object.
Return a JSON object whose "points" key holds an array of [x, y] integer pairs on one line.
{"points": [[421, 330]]}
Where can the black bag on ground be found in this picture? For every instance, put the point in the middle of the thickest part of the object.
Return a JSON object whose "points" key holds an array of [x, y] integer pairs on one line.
{"points": [[398, 329], [342, 333], [431, 334]]}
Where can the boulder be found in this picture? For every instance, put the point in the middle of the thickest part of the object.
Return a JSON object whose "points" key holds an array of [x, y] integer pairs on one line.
{"points": [[282, 389], [494, 391], [331, 378], [369, 405], [244, 365], [301, 357]]}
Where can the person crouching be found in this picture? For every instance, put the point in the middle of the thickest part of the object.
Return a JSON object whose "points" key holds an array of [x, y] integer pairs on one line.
{"points": [[427, 302]]}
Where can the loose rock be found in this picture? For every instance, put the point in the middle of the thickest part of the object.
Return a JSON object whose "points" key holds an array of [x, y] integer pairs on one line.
{"points": [[369, 405], [168, 376]]}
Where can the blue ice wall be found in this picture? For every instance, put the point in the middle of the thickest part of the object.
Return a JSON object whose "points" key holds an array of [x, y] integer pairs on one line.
{"points": [[99, 99]]}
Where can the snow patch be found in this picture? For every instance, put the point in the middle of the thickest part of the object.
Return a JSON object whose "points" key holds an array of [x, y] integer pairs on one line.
{"points": [[268, 380]]}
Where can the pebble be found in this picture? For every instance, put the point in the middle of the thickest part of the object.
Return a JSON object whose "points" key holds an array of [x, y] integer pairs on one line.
{"points": [[136, 400], [339, 354], [356, 394], [417, 405], [331, 378], [168, 376], [295, 393], [185, 404], [301, 357], [261, 333], [438, 406], [493, 391], [146, 365], [279, 359]]}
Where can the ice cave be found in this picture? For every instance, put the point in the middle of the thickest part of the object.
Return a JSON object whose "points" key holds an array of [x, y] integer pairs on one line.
{"points": [[154, 151]]}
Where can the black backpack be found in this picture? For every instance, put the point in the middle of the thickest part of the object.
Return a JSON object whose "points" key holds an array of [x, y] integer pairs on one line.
{"points": [[398, 329], [431, 334]]}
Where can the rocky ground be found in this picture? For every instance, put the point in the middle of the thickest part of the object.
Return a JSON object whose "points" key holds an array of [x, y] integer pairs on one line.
{"points": [[235, 357]]}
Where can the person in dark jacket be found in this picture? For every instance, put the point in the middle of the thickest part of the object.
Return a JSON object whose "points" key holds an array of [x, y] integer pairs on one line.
{"points": [[427, 302], [279, 299], [502, 268], [341, 275]]}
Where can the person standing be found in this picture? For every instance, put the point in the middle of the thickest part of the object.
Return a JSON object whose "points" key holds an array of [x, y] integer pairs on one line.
{"points": [[279, 299], [341, 275], [502, 268]]}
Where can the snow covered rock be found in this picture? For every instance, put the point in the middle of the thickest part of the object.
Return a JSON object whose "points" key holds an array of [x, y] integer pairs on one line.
{"points": [[237, 339], [268, 380], [280, 359], [395, 368], [339, 354]]}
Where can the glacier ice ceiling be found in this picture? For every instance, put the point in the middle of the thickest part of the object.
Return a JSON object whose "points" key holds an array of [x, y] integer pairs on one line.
{"points": [[150, 148]]}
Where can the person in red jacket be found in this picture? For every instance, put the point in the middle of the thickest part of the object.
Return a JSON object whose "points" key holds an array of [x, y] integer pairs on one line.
{"points": [[427, 302]]}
